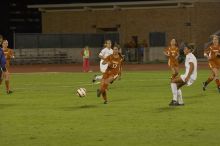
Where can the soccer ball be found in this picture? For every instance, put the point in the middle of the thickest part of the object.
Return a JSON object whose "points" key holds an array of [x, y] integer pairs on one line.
{"points": [[81, 92]]}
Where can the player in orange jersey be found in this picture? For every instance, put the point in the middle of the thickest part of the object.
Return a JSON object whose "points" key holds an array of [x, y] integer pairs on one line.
{"points": [[112, 72], [212, 53], [8, 55], [172, 52]]}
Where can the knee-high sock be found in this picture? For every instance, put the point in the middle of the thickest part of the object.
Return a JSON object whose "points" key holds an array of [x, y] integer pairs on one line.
{"points": [[103, 91], [104, 96], [174, 91], [179, 96], [208, 80], [217, 82], [7, 85], [104, 87]]}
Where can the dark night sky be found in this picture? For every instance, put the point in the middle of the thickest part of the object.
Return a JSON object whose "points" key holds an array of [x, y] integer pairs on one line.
{"points": [[8, 9], [77, 1]]}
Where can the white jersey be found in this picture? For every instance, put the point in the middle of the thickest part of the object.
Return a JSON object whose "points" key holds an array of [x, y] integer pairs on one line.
{"points": [[104, 53], [190, 58]]}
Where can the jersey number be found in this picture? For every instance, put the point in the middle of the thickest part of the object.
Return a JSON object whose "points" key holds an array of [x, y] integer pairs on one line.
{"points": [[114, 65]]}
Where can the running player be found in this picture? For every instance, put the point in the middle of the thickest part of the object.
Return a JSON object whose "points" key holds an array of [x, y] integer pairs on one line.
{"points": [[187, 79], [8, 55], [212, 53], [114, 63], [2, 61], [172, 52], [102, 55]]}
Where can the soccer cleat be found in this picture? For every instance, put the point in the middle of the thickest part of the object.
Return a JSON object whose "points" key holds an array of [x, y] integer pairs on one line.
{"points": [[94, 79], [173, 103], [204, 86], [112, 82], [180, 104], [9, 92], [98, 93], [105, 102]]}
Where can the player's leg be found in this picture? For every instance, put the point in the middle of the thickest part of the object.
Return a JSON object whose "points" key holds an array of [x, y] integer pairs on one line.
{"points": [[99, 77], [1, 76], [174, 70], [210, 79], [7, 83], [175, 84], [87, 64], [84, 65], [216, 72], [179, 93]]}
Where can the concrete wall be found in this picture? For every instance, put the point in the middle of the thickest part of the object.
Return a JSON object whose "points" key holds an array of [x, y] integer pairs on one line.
{"points": [[156, 54], [203, 19], [72, 55]]}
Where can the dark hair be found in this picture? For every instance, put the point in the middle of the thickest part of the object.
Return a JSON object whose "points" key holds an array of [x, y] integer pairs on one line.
{"points": [[190, 47]]}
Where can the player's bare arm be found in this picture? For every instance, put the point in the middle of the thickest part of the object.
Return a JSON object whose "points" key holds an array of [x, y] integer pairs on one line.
{"points": [[166, 53], [101, 57]]}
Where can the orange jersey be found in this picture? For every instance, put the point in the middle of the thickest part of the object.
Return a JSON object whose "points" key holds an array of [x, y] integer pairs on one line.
{"points": [[212, 51], [173, 55], [115, 65], [8, 55]]}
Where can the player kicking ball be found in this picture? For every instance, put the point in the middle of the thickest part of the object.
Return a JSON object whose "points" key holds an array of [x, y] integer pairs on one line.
{"points": [[114, 65], [186, 79]]}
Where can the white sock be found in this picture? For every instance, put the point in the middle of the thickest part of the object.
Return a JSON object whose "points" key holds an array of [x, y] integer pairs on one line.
{"points": [[98, 77], [179, 96], [174, 91]]}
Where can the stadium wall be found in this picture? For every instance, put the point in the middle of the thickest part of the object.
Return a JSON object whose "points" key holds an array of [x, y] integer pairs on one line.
{"points": [[193, 24]]}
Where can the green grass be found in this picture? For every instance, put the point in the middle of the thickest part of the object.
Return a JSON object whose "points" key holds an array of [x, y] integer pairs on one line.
{"points": [[43, 111]]}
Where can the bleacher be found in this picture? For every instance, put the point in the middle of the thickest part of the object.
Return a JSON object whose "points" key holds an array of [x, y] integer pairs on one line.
{"points": [[36, 56]]}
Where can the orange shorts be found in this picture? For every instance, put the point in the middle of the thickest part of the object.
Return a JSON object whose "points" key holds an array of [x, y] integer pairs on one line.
{"points": [[109, 74], [218, 62], [173, 63], [214, 64]]}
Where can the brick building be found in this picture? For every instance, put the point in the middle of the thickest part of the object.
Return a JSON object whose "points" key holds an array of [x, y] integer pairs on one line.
{"points": [[187, 20]]}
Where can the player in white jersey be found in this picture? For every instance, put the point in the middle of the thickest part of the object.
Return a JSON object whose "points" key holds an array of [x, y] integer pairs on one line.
{"points": [[102, 55], [186, 79]]}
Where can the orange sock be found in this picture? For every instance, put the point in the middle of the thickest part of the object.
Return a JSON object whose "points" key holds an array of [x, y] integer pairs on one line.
{"points": [[7, 85], [104, 95], [103, 91], [104, 87], [217, 82], [209, 80]]}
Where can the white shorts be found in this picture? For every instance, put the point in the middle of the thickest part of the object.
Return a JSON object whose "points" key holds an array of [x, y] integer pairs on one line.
{"points": [[103, 67], [190, 81]]}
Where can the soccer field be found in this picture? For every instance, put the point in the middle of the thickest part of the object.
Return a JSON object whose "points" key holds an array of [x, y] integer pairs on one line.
{"points": [[44, 111]]}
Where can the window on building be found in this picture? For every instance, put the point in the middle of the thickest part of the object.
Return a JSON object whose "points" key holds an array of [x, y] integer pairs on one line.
{"points": [[157, 39]]}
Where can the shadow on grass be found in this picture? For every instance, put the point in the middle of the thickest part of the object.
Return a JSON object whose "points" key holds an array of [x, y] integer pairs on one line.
{"points": [[201, 95], [78, 107], [167, 109], [2, 106]]}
